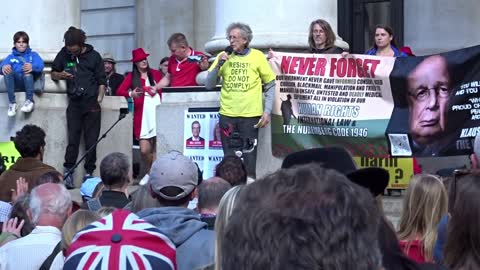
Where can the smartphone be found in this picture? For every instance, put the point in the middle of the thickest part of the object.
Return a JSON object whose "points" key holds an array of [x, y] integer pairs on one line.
{"points": [[70, 68], [194, 58], [69, 71]]}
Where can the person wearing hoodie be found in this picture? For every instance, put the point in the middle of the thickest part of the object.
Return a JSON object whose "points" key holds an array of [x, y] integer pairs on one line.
{"points": [[173, 182], [82, 68], [20, 69]]}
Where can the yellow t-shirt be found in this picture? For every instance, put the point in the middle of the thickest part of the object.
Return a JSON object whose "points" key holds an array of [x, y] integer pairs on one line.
{"points": [[243, 75]]}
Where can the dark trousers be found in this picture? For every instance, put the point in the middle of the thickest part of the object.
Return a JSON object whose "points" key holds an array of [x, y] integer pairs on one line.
{"points": [[82, 116], [245, 129]]}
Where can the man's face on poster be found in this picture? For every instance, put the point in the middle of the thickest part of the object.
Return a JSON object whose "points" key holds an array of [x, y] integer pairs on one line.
{"points": [[195, 129], [428, 94]]}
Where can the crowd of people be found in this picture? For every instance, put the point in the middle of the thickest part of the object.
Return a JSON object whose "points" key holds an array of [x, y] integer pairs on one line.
{"points": [[244, 108], [318, 211]]}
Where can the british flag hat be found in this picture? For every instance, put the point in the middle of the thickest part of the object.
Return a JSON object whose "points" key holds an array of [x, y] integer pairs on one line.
{"points": [[121, 240]]}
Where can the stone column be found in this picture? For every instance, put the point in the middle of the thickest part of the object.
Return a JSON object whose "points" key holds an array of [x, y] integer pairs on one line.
{"points": [[428, 22], [282, 25], [45, 22], [157, 20], [204, 22]]}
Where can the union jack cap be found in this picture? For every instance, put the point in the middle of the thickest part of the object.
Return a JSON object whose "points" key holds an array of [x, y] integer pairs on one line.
{"points": [[121, 240]]}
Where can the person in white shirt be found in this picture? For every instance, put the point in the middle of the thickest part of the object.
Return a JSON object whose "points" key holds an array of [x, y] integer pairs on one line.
{"points": [[50, 205]]}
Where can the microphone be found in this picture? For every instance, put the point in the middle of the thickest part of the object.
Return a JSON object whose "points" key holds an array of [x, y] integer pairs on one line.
{"points": [[229, 51]]}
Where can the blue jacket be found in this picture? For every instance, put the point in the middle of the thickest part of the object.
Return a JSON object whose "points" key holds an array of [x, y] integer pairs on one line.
{"points": [[441, 240], [17, 63], [195, 243], [396, 52]]}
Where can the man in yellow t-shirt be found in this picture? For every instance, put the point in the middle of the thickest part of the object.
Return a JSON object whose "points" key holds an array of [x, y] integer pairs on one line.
{"points": [[246, 75]]}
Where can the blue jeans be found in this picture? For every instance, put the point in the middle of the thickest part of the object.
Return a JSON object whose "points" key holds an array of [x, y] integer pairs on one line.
{"points": [[19, 81]]}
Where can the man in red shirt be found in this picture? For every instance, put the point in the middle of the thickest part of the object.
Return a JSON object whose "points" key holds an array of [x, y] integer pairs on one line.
{"points": [[183, 66]]}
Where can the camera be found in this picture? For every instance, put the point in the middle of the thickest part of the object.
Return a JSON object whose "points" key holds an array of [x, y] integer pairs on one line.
{"points": [[236, 141], [80, 91], [77, 91], [194, 58], [241, 145]]}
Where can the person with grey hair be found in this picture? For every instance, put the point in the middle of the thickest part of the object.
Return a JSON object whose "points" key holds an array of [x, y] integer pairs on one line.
{"points": [[246, 75], [115, 174], [49, 207], [210, 193], [321, 38]]}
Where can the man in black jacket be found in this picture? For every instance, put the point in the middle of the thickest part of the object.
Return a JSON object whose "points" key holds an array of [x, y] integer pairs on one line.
{"points": [[115, 174], [82, 68]]}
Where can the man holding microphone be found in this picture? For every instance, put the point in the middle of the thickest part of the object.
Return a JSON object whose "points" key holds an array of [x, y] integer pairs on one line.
{"points": [[243, 70]]}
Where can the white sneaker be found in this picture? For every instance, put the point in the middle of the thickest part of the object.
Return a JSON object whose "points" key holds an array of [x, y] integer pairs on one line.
{"points": [[27, 106], [144, 180], [12, 109]]}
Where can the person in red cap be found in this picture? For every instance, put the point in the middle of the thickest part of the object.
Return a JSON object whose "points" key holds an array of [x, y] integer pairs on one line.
{"points": [[137, 85]]}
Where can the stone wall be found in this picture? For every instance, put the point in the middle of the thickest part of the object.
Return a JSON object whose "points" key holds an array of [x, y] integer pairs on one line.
{"points": [[50, 115]]}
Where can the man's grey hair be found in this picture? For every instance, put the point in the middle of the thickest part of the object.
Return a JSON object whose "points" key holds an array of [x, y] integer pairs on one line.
{"points": [[115, 169], [55, 201], [210, 192], [245, 31]]}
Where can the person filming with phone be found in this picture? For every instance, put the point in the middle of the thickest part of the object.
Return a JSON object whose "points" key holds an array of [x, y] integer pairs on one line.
{"points": [[246, 75], [82, 68]]}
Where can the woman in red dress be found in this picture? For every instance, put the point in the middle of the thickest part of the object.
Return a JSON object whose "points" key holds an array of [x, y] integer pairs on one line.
{"points": [[137, 85]]}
